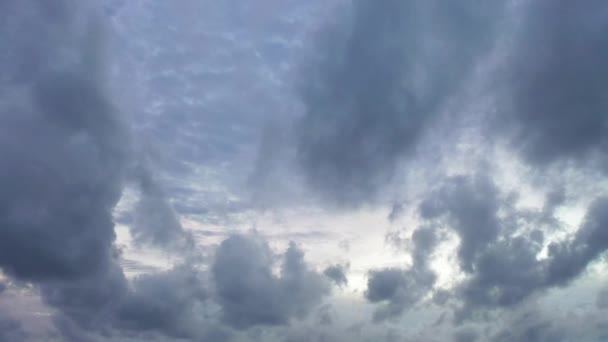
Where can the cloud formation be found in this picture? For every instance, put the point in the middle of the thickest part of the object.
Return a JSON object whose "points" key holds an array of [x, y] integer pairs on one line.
{"points": [[378, 85], [499, 253], [63, 162], [401, 289], [65, 153], [556, 80], [250, 294], [337, 273], [383, 77], [155, 223]]}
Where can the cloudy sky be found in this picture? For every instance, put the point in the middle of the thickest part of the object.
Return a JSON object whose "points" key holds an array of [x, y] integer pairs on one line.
{"points": [[295, 171]]}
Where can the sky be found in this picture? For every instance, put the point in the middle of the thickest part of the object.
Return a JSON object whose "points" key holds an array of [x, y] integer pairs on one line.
{"points": [[303, 171]]}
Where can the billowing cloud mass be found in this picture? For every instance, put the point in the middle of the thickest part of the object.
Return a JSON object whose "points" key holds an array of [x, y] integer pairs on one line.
{"points": [[428, 170], [64, 155], [381, 79], [250, 294], [154, 220], [337, 273], [401, 289], [556, 83], [166, 302], [499, 245], [63, 160], [64, 152]]}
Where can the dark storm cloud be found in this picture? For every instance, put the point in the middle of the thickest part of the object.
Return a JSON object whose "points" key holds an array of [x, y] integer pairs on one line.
{"points": [[337, 273], [63, 156], [499, 257], [64, 151], [250, 294], [557, 82], [378, 83], [400, 289]]}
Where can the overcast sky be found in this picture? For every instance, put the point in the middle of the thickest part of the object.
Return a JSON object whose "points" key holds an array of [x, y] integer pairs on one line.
{"points": [[295, 171]]}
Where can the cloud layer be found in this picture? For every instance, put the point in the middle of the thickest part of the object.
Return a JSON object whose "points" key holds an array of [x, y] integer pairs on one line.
{"points": [[464, 112]]}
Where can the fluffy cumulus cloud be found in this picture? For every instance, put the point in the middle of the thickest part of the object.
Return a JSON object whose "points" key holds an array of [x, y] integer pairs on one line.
{"points": [[248, 291], [126, 134], [401, 289], [499, 245], [337, 273]]}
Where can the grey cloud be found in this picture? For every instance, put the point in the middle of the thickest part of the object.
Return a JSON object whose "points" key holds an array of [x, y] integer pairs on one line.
{"points": [[466, 335], [501, 271], [170, 304], [534, 324], [471, 206], [246, 287], [11, 331], [540, 332], [568, 259], [396, 212], [64, 153], [250, 294], [337, 274], [424, 239], [324, 315], [61, 182], [154, 221], [165, 302], [501, 259], [88, 303], [311, 335], [531, 327], [384, 284], [400, 289], [440, 297], [378, 84], [304, 286], [556, 81], [505, 274], [602, 299], [70, 331]]}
